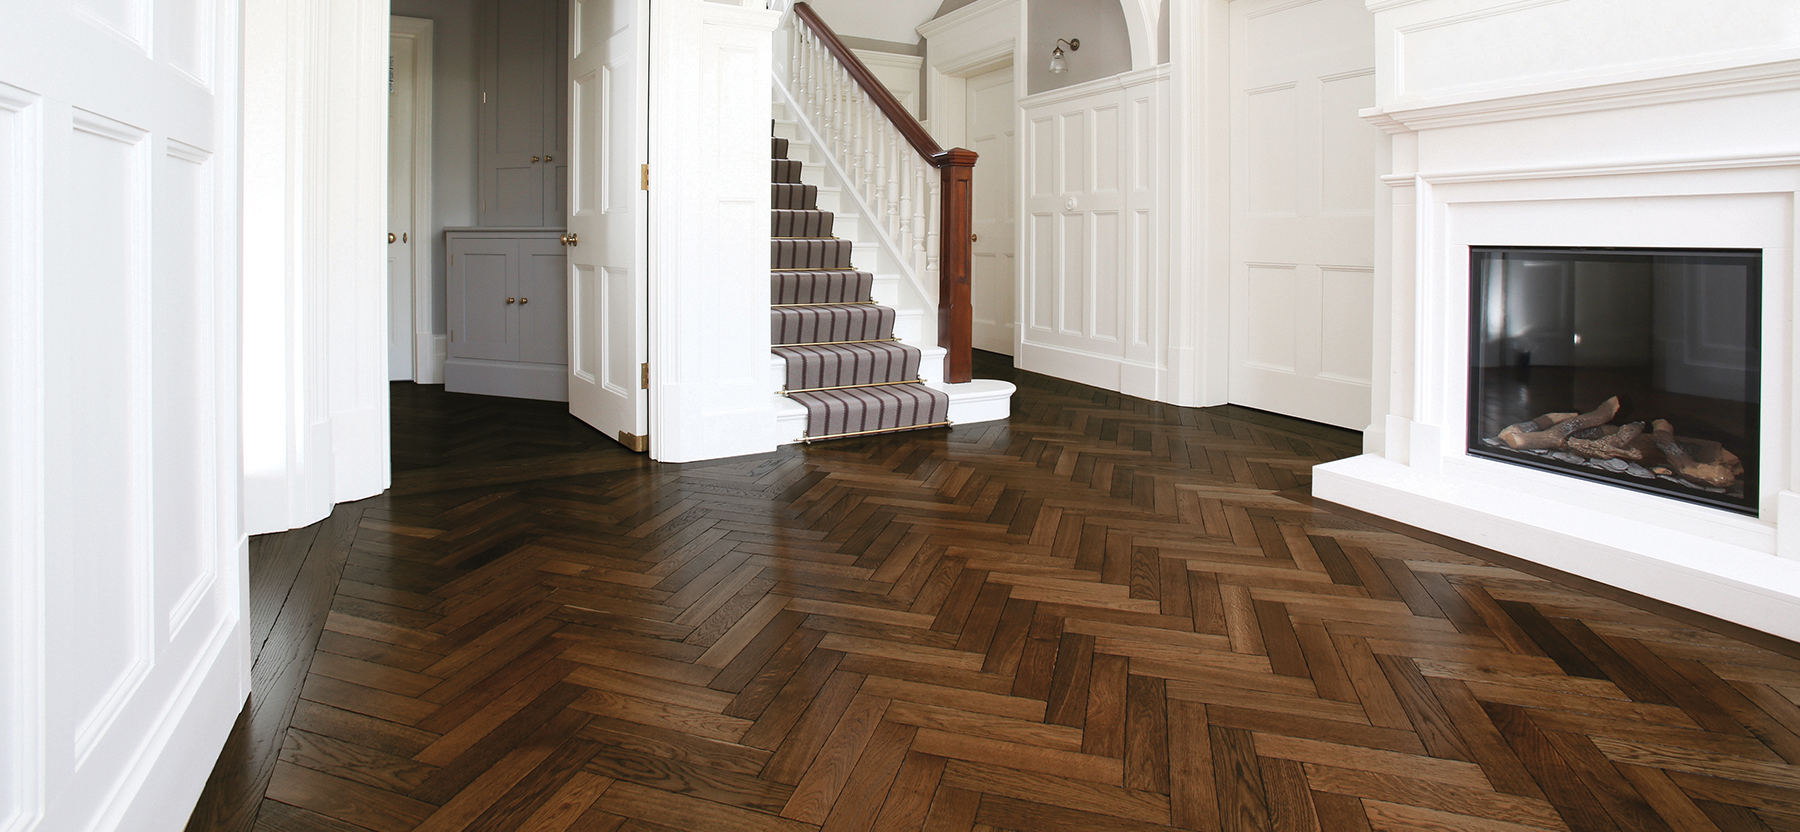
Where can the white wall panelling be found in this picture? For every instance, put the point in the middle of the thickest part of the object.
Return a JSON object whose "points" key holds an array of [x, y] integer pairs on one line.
{"points": [[123, 645], [709, 228], [21, 468], [1302, 220], [315, 284], [1094, 273]]}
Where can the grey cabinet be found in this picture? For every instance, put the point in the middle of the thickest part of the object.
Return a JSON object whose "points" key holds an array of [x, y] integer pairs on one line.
{"points": [[522, 148], [508, 311]]}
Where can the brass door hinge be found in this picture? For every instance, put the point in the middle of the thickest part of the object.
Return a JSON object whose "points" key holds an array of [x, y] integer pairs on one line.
{"points": [[634, 442], [646, 177], [644, 381]]}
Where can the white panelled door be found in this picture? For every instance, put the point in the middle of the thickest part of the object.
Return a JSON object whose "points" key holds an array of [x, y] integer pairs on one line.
{"points": [[608, 291], [1303, 180], [400, 213], [122, 642], [992, 120]]}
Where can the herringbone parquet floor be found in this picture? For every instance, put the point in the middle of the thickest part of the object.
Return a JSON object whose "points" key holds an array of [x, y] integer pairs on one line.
{"points": [[1101, 615]]}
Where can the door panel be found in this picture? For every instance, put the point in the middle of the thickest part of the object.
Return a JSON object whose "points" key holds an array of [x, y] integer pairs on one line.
{"points": [[993, 110], [121, 553], [485, 325], [543, 292], [1303, 193], [607, 265]]}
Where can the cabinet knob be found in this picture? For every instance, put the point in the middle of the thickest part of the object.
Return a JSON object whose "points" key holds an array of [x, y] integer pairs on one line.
{"points": [[974, 238], [534, 160], [523, 301], [549, 158], [512, 300], [391, 238], [571, 239]]}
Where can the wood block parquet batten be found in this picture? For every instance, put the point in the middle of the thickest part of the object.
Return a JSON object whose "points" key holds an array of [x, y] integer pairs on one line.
{"points": [[1104, 613]]}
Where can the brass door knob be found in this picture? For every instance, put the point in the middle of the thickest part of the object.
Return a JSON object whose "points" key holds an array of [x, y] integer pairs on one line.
{"points": [[512, 300], [391, 238], [570, 239]]}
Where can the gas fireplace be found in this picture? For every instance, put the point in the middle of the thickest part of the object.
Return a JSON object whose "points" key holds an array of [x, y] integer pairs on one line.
{"points": [[1640, 368]]}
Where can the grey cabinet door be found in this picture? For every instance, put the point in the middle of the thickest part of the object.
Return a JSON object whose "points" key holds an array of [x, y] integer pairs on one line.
{"points": [[543, 301], [483, 278], [521, 152]]}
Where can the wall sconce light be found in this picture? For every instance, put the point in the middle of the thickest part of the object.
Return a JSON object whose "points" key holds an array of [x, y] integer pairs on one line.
{"points": [[1056, 58]]}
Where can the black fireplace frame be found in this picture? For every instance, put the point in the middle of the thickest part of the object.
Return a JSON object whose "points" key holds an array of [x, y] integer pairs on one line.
{"points": [[1747, 502]]}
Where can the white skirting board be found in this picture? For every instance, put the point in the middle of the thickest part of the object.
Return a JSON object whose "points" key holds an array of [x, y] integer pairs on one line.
{"points": [[1726, 580]]}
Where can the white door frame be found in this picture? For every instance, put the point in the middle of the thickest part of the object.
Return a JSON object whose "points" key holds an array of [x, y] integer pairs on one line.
{"points": [[428, 348]]}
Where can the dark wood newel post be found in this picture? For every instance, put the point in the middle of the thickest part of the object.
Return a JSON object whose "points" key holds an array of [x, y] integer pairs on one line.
{"points": [[956, 317]]}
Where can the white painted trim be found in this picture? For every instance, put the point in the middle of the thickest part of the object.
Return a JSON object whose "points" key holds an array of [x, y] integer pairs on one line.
{"points": [[1199, 199], [22, 670], [954, 19], [428, 366], [1734, 583], [1098, 86], [1740, 76]]}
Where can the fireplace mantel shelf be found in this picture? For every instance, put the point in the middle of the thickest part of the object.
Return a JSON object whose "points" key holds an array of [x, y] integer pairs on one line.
{"points": [[1762, 72]]}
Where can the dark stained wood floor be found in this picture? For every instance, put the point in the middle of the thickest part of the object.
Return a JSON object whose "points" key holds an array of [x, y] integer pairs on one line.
{"points": [[1104, 614]]}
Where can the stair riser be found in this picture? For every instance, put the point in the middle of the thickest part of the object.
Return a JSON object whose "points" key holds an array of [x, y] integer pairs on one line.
{"points": [[821, 324], [788, 223], [790, 197], [810, 254], [790, 288]]}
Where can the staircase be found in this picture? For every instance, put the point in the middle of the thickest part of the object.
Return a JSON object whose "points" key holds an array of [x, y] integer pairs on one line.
{"points": [[839, 357], [867, 206]]}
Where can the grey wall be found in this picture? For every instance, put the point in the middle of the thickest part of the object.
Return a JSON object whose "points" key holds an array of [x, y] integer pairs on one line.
{"points": [[1099, 24], [1162, 34], [454, 90]]}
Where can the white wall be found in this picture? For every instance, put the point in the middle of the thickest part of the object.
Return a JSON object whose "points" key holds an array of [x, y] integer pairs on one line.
{"points": [[1092, 236], [709, 229], [315, 271]]}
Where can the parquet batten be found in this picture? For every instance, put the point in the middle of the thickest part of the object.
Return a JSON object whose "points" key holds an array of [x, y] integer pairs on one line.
{"points": [[1103, 614]]}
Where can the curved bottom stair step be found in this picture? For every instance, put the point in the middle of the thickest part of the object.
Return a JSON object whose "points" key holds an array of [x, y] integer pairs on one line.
{"points": [[981, 400]]}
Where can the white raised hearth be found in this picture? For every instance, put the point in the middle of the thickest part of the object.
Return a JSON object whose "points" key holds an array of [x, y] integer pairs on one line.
{"points": [[1585, 123]]}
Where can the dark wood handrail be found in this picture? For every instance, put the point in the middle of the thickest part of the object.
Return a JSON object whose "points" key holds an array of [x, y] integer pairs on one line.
{"points": [[956, 317]]}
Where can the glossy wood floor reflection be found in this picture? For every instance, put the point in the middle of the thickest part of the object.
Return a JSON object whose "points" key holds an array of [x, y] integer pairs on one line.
{"points": [[1102, 615]]}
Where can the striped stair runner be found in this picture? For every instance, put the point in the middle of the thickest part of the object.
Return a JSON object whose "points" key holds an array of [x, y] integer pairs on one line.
{"points": [[843, 361]]}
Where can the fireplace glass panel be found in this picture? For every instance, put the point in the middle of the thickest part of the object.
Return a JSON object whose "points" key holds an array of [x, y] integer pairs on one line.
{"points": [[1674, 335]]}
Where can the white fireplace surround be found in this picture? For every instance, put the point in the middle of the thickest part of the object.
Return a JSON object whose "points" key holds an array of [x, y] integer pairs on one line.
{"points": [[1664, 133]]}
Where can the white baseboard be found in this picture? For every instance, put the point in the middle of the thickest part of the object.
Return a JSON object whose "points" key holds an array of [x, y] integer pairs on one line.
{"points": [[1723, 579]]}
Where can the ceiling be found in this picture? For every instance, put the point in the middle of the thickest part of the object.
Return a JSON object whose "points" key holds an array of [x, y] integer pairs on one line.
{"points": [[889, 20]]}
